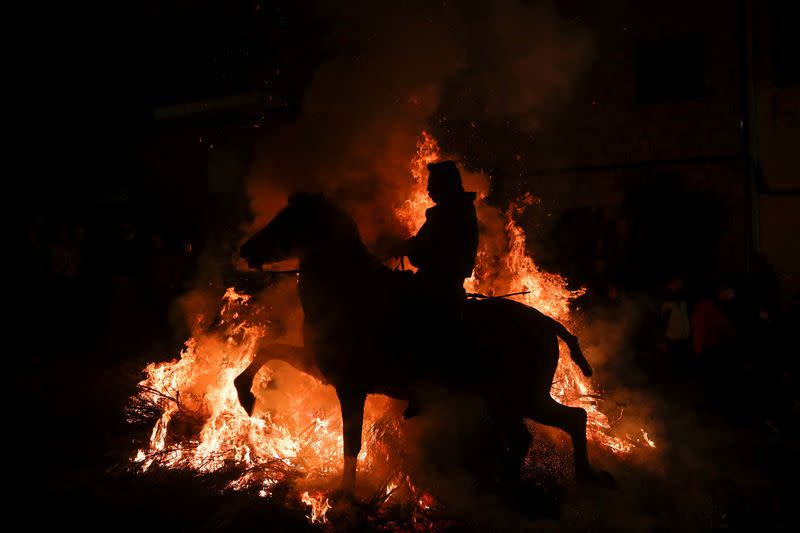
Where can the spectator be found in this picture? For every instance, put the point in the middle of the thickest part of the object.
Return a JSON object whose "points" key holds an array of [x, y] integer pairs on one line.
{"points": [[713, 335], [675, 314], [712, 329]]}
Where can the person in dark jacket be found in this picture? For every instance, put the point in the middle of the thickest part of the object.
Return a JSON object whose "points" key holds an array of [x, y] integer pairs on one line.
{"points": [[443, 251], [444, 248]]}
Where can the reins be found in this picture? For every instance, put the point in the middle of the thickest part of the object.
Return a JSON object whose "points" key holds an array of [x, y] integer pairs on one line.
{"points": [[478, 296], [401, 265], [281, 272]]}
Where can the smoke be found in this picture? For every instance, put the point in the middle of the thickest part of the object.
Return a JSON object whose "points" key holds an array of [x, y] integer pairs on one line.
{"points": [[395, 70], [523, 60], [362, 111]]}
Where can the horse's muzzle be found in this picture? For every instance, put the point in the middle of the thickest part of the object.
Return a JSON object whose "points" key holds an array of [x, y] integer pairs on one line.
{"points": [[246, 253]]}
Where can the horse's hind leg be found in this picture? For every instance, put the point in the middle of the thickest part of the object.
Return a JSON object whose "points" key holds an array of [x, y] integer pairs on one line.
{"points": [[516, 440], [572, 420]]}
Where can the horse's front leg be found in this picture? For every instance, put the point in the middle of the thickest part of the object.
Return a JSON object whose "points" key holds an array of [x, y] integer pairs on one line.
{"points": [[351, 401], [297, 356]]}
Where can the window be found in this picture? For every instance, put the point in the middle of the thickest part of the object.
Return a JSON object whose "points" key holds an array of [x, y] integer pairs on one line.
{"points": [[670, 70], [785, 44]]}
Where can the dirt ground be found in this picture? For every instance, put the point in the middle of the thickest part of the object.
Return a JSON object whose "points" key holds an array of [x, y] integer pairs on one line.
{"points": [[70, 445]]}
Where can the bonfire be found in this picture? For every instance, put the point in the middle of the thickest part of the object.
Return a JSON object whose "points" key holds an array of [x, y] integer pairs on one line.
{"points": [[295, 433]]}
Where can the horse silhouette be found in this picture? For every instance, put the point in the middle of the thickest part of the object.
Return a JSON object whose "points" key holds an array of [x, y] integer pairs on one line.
{"points": [[359, 336]]}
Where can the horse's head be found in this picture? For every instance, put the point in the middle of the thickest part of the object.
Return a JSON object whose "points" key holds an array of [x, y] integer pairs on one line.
{"points": [[310, 222]]}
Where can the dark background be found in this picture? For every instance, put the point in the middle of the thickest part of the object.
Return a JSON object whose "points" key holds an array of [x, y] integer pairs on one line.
{"points": [[133, 126]]}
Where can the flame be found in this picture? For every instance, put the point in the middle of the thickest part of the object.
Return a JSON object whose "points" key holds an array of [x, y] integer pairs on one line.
{"points": [[514, 271], [319, 506], [411, 213], [647, 439], [297, 429]]}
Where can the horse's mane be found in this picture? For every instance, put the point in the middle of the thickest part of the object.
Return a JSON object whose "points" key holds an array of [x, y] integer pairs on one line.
{"points": [[326, 211], [342, 227]]}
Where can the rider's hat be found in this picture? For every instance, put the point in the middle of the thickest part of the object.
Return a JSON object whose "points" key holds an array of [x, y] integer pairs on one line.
{"points": [[444, 175]]}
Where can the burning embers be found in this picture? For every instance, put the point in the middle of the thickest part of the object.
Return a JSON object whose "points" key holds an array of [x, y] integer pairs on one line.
{"points": [[296, 430]]}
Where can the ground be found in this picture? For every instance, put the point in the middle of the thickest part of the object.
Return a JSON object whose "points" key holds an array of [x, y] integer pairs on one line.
{"points": [[70, 445]]}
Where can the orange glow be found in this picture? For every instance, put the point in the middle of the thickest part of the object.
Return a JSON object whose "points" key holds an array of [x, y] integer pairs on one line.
{"points": [[411, 213], [296, 427], [647, 439]]}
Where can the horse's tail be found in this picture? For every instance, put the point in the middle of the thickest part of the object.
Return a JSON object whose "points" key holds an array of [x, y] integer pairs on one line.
{"points": [[575, 351]]}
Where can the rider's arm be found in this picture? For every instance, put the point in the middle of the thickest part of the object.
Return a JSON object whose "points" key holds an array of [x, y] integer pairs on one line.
{"points": [[420, 247]]}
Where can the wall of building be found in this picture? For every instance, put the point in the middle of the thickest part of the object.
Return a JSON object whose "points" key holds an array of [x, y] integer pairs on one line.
{"points": [[628, 122]]}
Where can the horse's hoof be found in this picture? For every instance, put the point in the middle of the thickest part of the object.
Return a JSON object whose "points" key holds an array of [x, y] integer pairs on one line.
{"points": [[343, 497], [597, 478], [344, 493], [411, 411], [246, 398], [605, 480], [346, 512]]}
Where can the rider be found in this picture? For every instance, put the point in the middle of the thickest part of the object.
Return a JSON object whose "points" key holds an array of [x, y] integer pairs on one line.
{"points": [[443, 251], [444, 248]]}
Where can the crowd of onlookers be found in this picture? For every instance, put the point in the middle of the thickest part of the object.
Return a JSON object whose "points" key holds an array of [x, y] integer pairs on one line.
{"points": [[113, 278], [730, 341]]}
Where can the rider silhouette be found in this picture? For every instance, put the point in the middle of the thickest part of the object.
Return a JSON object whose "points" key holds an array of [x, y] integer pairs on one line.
{"points": [[444, 248], [443, 251]]}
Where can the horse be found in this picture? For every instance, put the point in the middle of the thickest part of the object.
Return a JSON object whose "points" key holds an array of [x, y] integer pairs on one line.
{"points": [[358, 334]]}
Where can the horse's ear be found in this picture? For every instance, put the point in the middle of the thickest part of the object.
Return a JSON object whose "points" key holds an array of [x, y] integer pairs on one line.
{"points": [[305, 198], [296, 197]]}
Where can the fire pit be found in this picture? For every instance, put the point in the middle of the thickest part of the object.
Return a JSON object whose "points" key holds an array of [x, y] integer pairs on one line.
{"points": [[294, 437]]}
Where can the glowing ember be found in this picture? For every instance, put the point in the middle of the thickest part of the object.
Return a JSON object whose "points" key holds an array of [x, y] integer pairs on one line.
{"points": [[426, 501], [647, 439]]}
